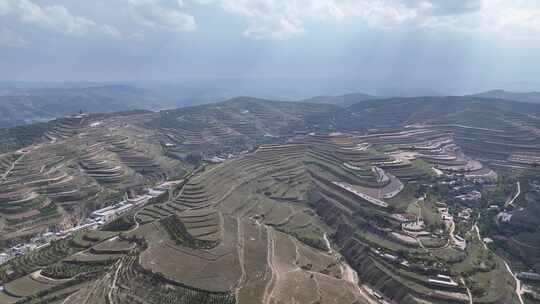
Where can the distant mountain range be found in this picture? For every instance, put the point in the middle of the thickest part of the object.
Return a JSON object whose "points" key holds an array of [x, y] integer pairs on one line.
{"points": [[22, 106], [354, 98], [502, 94], [342, 100], [466, 110]]}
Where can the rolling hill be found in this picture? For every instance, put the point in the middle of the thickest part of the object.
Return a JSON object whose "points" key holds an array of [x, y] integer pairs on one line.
{"points": [[342, 100], [517, 96], [396, 112]]}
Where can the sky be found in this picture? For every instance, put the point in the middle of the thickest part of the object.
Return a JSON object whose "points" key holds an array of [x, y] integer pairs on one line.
{"points": [[439, 45]]}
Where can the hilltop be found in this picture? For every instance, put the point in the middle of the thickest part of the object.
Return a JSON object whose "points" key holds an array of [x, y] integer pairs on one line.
{"points": [[533, 97], [342, 100], [395, 112]]}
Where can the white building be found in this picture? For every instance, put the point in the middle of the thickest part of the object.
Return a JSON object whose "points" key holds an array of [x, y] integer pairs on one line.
{"points": [[111, 212], [443, 280], [4, 257], [155, 193]]}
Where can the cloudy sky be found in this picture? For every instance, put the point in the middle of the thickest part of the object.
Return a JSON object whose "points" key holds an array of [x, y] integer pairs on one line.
{"points": [[471, 44]]}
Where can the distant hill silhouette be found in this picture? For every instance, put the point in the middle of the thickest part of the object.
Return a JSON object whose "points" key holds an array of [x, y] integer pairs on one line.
{"points": [[517, 96], [468, 110], [31, 105], [342, 100]]}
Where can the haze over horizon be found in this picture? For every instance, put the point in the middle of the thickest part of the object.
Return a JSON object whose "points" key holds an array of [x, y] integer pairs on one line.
{"points": [[450, 47]]}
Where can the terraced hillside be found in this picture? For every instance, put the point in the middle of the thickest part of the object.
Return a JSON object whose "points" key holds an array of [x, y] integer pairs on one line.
{"points": [[495, 130], [211, 244], [233, 125], [77, 165], [332, 215], [502, 134], [359, 216], [400, 243]]}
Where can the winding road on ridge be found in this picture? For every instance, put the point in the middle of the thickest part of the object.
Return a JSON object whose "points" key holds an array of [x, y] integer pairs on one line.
{"points": [[113, 285], [269, 290], [516, 280], [349, 274], [510, 202], [13, 164]]}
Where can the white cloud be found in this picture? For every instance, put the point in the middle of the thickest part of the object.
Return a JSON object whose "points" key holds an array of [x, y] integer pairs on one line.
{"points": [[279, 19], [519, 19], [55, 17], [282, 19], [10, 39], [496, 18], [158, 15], [444, 7], [287, 18]]}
